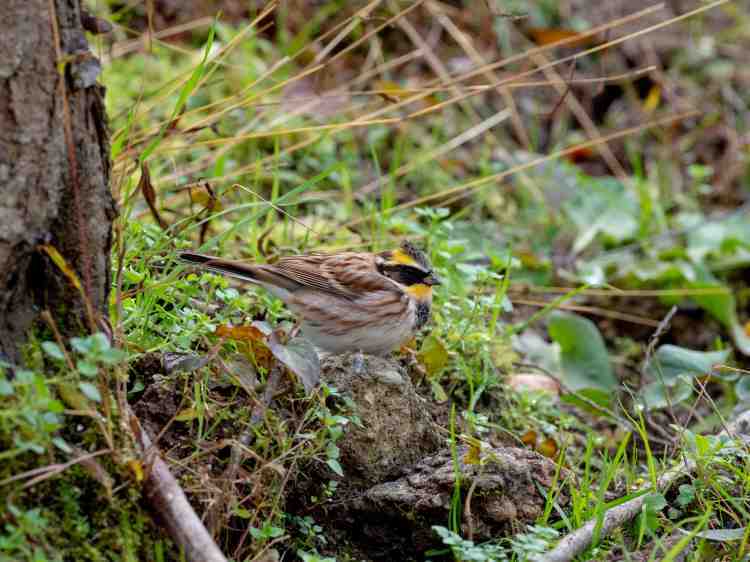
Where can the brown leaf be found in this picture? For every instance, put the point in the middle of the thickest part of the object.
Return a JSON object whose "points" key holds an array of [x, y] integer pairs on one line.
{"points": [[149, 194], [241, 333], [255, 336], [529, 438], [548, 448], [549, 35]]}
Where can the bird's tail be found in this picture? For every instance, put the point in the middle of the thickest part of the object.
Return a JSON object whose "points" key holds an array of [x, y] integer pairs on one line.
{"points": [[239, 270]]}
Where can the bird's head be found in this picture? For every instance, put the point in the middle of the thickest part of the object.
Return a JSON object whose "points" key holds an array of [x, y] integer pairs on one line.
{"points": [[409, 267]]}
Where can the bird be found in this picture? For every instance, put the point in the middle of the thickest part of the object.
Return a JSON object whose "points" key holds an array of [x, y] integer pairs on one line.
{"points": [[361, 302]]}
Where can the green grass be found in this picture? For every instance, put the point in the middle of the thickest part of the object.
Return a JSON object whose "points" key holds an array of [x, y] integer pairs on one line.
{"points": [[214, 109]]}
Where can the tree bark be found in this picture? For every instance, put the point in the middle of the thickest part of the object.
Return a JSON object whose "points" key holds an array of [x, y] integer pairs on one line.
{"points": [[54, 172]]}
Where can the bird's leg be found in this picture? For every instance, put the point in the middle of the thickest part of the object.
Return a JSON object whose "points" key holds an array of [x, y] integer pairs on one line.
{"points": [[358, 363]]}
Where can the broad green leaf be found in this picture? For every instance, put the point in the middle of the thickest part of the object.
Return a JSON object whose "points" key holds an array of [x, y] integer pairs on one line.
{"points": [[334, 465], [657, 395], [584, 359], [721, 306], [53, 350], [602, 207], [90, 391], [671, 361], [742, 388], [61, 444], [6, 389], [588, 399], [83, 346], [87, 368]]}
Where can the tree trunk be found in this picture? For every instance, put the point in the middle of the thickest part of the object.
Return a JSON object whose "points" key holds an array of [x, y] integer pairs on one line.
{"points": [[54, 172]]}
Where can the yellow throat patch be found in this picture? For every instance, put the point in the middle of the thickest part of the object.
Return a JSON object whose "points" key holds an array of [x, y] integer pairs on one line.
{"points": [[419, 291]]}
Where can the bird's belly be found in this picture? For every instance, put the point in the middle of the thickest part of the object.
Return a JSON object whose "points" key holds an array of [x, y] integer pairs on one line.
{"points": [[371, 339]]}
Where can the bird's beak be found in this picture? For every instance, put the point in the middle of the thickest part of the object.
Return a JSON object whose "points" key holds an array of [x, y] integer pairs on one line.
{"points": [[432, 279]]}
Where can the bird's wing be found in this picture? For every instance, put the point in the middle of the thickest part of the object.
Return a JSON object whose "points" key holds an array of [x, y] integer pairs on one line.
{"points": [[348, 275]]}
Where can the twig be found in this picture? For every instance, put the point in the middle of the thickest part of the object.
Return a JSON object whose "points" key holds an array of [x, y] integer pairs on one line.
{"points": [[578, 541], [168, 500]]}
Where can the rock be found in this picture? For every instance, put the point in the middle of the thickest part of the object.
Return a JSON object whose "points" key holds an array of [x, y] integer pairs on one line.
{"points": [[397, 429], [503, 483]]}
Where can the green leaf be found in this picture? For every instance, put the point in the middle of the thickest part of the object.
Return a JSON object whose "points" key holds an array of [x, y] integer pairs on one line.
{"points": [[99, 342], [6, 389], [588, 399], [60, 443], [584, 359], [657, 395], [87, 368], [112, 356], [721, 306], [648, 518], [53, 350], [334, 465], [686, 495], [742, 388], [671, 361], [90, 391], [82, 345], [602, 206]]}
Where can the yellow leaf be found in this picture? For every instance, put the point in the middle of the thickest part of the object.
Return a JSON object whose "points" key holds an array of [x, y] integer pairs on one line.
{"points": [[433, 355], [186, 415], [652, 99], [136, 467], [391, 91], [62, 265], [473, 455]]}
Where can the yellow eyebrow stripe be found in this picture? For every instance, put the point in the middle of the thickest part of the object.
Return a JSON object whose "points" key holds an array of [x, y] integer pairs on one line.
{"points": [[400, 257]]}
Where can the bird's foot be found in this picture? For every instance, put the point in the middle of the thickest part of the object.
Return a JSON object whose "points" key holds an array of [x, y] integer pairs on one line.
{"points": [[359, 366]]}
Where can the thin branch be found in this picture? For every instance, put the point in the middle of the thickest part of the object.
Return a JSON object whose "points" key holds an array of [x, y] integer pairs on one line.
{"points": [[167, 499], [578, 541]]}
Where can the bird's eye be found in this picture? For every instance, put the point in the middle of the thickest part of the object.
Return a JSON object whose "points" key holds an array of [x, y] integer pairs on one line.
{"points": [[411, 275]]}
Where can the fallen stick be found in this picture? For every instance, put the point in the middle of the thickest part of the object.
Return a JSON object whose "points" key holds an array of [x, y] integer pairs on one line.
{"points": [[169, 502], [579, 540]]}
